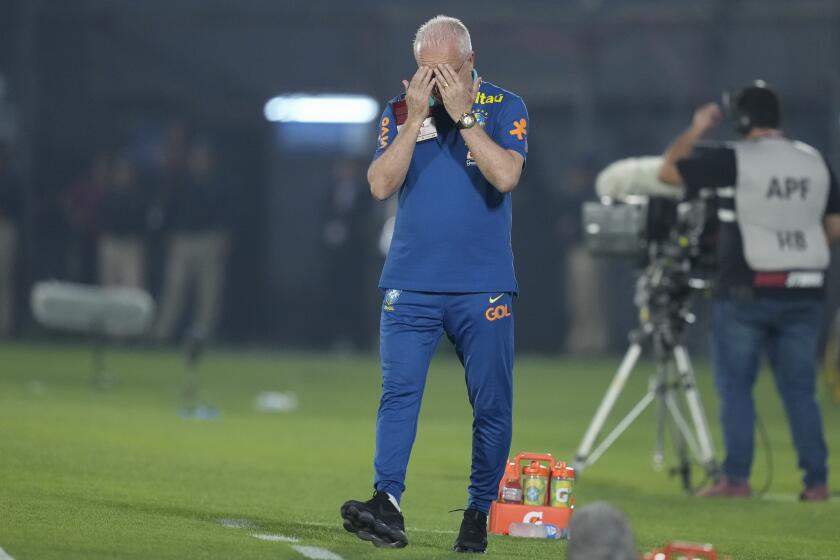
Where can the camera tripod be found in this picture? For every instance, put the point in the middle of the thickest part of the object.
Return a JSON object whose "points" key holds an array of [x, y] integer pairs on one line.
{"points": [[663, 296]]}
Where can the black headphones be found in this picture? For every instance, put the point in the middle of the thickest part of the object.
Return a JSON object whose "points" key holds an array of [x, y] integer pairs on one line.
{"points": [[756, 105]]}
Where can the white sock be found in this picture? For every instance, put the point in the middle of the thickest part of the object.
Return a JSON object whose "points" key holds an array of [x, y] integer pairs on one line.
{"points": [[393, 500]]}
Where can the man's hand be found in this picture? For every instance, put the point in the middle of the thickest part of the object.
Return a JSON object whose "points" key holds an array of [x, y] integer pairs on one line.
{"points": [[457, 93], [501, 167], [417, 95], [706, 117], [387, 173]]}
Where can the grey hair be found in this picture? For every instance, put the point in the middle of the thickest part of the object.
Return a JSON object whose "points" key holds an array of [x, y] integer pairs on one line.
{"points": [[443, 29]]}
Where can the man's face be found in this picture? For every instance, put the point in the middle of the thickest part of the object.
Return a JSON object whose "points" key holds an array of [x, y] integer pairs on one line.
{"points": [[446, 53]]}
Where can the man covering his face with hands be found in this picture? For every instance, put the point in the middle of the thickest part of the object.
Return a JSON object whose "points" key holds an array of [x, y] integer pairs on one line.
{"points": [[452, 147]]}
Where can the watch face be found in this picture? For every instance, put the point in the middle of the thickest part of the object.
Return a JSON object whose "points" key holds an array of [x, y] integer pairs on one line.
{"points": [[468, 120]]}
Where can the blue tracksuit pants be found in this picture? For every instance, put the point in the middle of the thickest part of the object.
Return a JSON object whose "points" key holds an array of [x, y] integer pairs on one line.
{"points": [[480, 325]]}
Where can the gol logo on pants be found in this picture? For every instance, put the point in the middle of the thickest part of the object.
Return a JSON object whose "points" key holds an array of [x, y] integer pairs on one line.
{"points": [[498, 312]]}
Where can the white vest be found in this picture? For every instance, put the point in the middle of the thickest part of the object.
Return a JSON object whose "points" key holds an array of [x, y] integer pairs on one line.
{"points": [[780, 200]]}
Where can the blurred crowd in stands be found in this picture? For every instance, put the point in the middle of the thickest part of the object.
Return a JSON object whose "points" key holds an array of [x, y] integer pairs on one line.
{"points": [[164, 219], [163, 227]]}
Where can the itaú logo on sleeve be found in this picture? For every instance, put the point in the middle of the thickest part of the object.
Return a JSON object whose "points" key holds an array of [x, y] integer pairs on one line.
{"points": [[498, 312]]}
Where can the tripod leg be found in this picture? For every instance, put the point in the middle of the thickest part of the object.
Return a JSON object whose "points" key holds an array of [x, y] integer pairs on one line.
{"points": [[679, 423], [681, 435], [615, 388], [659, 387], [619, 429], [681, 447], [695, 406]]}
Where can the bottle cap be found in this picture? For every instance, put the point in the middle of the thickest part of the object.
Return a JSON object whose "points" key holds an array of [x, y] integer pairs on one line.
{"points": [[535, 468], [563, 471]]}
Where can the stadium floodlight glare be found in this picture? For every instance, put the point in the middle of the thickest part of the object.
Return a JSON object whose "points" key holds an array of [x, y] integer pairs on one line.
{"points": [[324, 108]]}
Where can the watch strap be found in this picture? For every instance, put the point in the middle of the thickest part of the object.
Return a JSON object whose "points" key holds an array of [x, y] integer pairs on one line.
{"points": [[460, 124]]}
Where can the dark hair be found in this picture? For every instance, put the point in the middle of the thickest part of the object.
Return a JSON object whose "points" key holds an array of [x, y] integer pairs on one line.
{"points": [[756, 106]]}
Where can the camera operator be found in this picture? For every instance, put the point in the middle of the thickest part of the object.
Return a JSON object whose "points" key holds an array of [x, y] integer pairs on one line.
{"points": [[778, 206]]}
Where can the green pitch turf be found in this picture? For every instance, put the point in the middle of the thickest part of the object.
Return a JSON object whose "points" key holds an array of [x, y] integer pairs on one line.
{"points": [[89, 474]]}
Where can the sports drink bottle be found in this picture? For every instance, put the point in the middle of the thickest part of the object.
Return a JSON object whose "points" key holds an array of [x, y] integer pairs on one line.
{"points": [[537, 531], [512, 491], [534, 483], [562, 485]]}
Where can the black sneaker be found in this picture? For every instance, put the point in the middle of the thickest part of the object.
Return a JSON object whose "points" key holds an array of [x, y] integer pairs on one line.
{"points": [[376, 521], [473, 534]]}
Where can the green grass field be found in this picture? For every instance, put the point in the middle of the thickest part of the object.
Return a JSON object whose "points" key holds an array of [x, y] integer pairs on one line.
{"points": [[87, 474]]}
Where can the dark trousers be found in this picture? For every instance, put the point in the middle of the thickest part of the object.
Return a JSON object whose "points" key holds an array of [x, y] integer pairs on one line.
{"points": [[786, 331]]}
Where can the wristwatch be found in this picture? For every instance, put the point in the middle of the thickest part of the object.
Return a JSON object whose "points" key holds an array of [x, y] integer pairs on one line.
{"points": [[467, 120]]}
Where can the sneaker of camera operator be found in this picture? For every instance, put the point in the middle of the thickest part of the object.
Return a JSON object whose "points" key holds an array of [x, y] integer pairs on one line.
{"points": [[778, 209]]}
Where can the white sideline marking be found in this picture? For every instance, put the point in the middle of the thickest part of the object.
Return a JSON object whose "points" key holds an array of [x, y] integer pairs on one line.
{"points": [[411, 529], [248, 524], [275, 538], [317, 553], [4, 556], [233, 524]]}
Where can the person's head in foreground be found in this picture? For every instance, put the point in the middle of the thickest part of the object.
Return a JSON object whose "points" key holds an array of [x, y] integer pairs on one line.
{"points": [[599, 531]]}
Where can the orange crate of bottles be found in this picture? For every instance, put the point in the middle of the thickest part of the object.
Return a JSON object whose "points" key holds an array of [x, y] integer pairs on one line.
{"points": [[503, 514]]}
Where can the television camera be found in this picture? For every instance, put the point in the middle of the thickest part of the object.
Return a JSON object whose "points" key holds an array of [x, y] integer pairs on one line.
{"points": [[673, 242]]}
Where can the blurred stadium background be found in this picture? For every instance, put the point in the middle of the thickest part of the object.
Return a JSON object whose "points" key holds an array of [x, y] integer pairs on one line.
{"points": [[148, 122], [144, 85]]}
